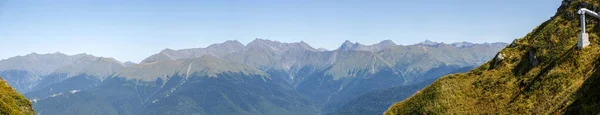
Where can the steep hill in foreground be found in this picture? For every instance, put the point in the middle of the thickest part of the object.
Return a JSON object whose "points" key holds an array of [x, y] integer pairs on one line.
{"points": [[541, 73], [13, 103]]}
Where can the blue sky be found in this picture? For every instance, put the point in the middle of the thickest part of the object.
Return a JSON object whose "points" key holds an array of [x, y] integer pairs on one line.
{"points": [[131, 30]]}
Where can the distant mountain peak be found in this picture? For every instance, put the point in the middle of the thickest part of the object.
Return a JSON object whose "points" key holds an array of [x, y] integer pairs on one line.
{"points": [[348, 42], [277, 45], [32, 53], [346, 46], [167, 50], [108, 59], [462, 44], [429, 42], [349, 46], [232, 42], [79, 55], [129, 63], [90, 65], [387, 42], [384, 44], [305, 45], [258, 41], [228, 46], [322, 49], [44, 64]]}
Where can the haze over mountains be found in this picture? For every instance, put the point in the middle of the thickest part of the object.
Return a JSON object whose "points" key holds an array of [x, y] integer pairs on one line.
{"points": [[262, 77]]}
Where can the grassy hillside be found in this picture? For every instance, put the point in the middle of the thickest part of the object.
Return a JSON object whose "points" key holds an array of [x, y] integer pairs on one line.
{"points": [[13, 103], [566, 80]]}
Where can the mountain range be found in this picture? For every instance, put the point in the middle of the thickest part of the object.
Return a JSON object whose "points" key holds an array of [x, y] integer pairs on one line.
{"points": [[262, 77]]}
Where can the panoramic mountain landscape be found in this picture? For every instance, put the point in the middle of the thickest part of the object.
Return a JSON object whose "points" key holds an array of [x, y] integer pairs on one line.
{"points": [[541, 73], [387, 57], [262, 77]]}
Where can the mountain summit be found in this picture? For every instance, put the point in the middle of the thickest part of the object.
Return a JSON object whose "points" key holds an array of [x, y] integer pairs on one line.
{"points": [[221, 49], [428, 42], [462, 44], [541, 73], [386, 43], [276, 46], [347, 46]]}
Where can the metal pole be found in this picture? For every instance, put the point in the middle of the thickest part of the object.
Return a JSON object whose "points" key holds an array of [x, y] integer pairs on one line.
{"points": [[583, 23], [584, 39]]}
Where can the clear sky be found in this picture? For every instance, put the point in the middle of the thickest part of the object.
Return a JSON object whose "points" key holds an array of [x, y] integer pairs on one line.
{"points": [[131, 30]]}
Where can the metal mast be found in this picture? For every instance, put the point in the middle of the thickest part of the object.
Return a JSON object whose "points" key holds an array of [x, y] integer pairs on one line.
{"points": [[584, 39]]}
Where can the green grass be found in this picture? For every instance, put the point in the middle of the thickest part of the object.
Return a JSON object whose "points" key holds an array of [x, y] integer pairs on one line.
{"points": [[565, 81], [13, 103]]}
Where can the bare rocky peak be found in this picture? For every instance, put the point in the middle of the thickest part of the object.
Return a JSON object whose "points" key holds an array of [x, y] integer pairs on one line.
{"points": [[385, 43], [462, 44], [349, 46], [429, 43], [229, 46], [278, 46], [217, 50]]}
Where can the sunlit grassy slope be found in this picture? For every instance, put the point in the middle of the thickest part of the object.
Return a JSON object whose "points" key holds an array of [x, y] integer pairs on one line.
{"points": [[566, 80], [13, 103]]}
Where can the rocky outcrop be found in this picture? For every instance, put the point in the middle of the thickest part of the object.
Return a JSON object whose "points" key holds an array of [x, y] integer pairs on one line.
{"points": [[533, 59], [499, 57]]}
